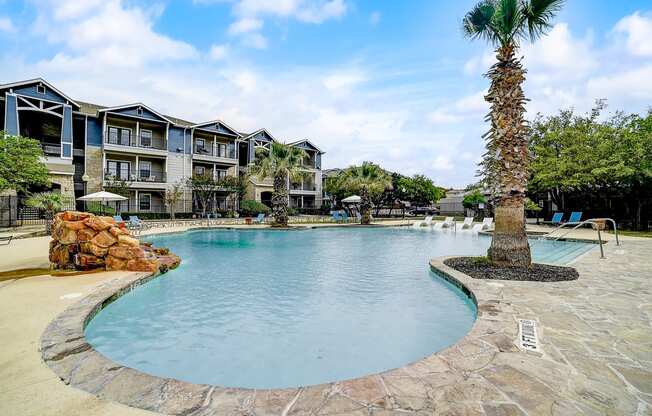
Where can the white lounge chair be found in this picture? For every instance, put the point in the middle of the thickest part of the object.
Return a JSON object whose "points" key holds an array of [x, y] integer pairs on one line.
{"points": [[427, 222], [487, 223], [448, 222], [468, 223]]}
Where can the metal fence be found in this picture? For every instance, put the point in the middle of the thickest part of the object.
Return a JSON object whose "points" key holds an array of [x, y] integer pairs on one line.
{"points": [[14, 212]]}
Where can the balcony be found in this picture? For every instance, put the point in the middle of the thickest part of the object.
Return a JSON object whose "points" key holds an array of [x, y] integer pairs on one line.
{"points": [[128, 143], [150, 176], [223, 152], [307, 187], [51, 149]]}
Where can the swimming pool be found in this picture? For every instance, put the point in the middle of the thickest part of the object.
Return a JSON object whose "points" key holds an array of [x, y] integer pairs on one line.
{"points": [[274, 309]]}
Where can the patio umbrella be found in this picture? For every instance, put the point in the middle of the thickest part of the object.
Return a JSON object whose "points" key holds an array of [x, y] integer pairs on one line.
{"points": [[102, 197], [353, 199]]}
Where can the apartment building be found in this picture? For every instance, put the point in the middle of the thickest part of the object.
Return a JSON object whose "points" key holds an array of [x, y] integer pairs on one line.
{"points": [[89, 147]]}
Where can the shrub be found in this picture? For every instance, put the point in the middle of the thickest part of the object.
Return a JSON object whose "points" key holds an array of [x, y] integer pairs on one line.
{"points": [[251, 208], [97, 209], [293, 211], [156, 215]]}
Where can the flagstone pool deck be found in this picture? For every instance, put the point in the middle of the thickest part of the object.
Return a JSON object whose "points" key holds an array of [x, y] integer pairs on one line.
{"points": [[595, 336]]}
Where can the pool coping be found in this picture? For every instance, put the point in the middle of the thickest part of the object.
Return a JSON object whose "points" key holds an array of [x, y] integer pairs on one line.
{"points": [[65, 350]]}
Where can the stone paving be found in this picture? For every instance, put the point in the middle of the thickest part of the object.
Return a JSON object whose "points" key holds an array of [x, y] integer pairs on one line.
{"points": [[595, 355]]}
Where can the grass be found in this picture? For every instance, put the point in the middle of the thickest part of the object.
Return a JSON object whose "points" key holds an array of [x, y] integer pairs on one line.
{"points": [[644, 234]]}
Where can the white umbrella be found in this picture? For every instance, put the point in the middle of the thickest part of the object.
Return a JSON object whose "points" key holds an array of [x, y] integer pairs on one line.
{"points": [[353, 199], [102, 197]]}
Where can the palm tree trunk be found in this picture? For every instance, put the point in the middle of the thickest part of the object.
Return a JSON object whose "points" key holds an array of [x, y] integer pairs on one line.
{"points": [[280, 201], [508, 142], [365, 206]]}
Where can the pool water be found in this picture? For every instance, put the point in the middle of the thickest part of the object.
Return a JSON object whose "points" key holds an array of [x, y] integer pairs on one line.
{"points": [[275, 309]]}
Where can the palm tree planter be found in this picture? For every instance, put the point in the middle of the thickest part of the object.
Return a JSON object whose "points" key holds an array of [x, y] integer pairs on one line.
{"points": [[282, 163], [504, 23], [51, 203]]}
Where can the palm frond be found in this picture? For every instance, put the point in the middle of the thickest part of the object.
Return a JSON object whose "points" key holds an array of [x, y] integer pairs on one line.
{"points": [[508, 20], [539, 14], [477, 23]]}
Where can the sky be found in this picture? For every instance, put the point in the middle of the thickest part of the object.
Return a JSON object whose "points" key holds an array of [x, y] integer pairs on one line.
{"points": [[393, 82]]}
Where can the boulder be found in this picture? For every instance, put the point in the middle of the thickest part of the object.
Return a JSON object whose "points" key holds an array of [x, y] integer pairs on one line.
{"points": [[93, 249], [108, 220], [143, 265], [128, 241], [74, 215], [64, 235], [85, 235], [104, 239], [163, 251], [88, 261], [114, 263], [126, 252], [59, 255], [116, 231], [73, 225], [96, 223]]}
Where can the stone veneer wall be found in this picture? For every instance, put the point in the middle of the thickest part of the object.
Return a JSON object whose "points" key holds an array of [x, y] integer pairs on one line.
{"points": [[83, 241], [66, 182], [94, 168]]}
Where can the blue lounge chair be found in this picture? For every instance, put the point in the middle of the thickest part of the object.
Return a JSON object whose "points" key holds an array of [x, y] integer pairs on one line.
{"points": [[117, 218], [575, 217], [135, 222], [556, 219], [345, 216], [259, 219], [336, 216]]}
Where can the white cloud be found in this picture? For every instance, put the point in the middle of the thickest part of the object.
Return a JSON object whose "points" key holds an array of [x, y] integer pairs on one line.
{"points": [[255, 40], [471, 107], [479, 64], [309, 11], [343, 80], [638, 29], [245, 25], [374, 18], [218, 52], [6, 25]]}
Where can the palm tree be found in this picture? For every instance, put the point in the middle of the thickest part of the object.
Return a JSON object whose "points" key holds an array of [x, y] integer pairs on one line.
{"points": [[366, 179], [282, 163], [51, 203], [504, 23]]}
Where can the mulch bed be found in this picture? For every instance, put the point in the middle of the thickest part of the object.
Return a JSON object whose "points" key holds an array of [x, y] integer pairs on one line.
{"points": [[480, 268]]}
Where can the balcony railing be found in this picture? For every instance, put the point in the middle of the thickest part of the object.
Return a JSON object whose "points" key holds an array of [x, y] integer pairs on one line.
{"points": [[303, 187], [143, 175], [51, 149], [155, 143], [227, 152]]}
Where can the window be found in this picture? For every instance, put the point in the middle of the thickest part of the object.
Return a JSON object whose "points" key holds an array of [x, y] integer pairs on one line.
{"points": [[118, 169], [145, 168], [140, 111], [146, 138], [200, 170], [145, 202], [221, 150], [40, 88], [119, 136], [220, 174], [200, 144]]}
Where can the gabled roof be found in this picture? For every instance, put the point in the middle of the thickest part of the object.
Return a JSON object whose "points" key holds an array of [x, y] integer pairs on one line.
{"points": [[38, 80], [122, 107], [298, 142], [217, 122], [263, 130]]}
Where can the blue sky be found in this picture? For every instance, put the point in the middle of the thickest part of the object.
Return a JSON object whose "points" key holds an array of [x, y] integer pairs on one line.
{"points": [[393, 82]]}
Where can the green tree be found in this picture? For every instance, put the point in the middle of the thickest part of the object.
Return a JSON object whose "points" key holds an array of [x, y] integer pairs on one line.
{"points": [[505, 23], [283, 164], [51, 203], [204, 187], [368, 180], [172, 195], [419, 190], [236, 185], [473, 199], [21, 164]]}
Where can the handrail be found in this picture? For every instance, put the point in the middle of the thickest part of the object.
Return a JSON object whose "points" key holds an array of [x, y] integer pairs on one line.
{"points": [[593, 221]]}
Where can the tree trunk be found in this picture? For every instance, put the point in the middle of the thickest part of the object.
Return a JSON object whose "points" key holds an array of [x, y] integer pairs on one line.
{"points": [[365, 206], [280, 201], [508, 141]]}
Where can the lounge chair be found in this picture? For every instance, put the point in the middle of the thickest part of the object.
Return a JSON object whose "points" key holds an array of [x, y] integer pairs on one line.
{"points": [[575, 217], [468, 223], [336, 216], [556, 219], [117, 218], [486, 223], [448, 222], [259, 219], [345, 216], [427, 222], [136, 223], [358, 216], [6, 240]]}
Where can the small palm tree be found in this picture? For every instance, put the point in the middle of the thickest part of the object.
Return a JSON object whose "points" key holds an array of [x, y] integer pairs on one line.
{"points": [[51, 203], [282, 163], [505, 23], [366, 179]]}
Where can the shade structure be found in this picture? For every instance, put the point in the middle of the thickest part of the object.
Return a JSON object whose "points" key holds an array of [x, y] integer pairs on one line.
{"points": [[102, 196], [353, 199]]}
